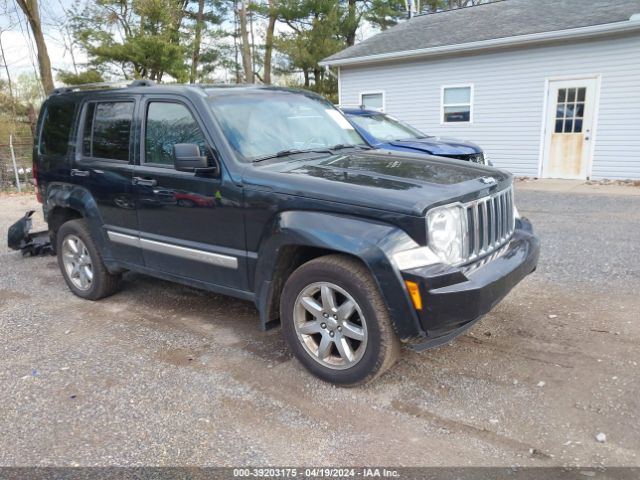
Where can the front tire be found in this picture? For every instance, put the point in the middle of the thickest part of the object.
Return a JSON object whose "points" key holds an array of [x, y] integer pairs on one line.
{"points": [[81, 263], [336, 322]]}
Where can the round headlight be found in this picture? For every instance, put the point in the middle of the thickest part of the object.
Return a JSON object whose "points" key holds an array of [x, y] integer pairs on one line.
{"points": [[445, 228]]}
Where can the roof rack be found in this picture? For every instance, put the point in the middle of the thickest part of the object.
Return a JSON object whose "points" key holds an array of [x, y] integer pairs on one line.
{"points": [[102, 86]]}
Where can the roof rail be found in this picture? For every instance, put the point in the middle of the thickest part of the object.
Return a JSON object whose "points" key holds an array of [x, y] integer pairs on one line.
{"points": [[102, 86], [142, 83]]}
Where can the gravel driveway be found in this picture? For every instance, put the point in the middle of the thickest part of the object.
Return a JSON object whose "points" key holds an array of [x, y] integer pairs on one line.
{"points": [[162, 374]]}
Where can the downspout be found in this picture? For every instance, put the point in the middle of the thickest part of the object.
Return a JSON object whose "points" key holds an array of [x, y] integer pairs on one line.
{"points": [[327, 69]]}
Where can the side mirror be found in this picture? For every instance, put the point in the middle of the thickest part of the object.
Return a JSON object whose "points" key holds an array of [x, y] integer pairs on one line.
{"points": [[187, 158]]}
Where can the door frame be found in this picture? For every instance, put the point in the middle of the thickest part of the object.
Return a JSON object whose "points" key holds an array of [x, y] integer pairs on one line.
{"points": [[545, 114]]}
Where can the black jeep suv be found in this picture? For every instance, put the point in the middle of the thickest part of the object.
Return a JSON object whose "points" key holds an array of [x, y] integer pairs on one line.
{"points": [[270, 195]]}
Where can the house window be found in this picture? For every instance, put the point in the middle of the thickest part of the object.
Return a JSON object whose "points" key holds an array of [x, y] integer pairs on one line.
{"points": [[372, 101], [570, 110], [456, 104]]}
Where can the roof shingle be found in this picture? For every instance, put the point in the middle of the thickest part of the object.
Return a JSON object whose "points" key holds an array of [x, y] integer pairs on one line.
{"points": [[501, 19]]}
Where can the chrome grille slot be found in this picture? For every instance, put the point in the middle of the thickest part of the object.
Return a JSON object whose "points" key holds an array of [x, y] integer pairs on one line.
{"points": [[490, 223]]}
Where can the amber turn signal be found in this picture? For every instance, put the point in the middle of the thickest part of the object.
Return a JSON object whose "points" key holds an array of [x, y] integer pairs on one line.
{"points": [[414, 292]]}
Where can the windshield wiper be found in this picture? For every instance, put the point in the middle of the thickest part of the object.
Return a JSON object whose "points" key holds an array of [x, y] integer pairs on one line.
{"points": [[281, 153], [341, 146], [293, 151]]}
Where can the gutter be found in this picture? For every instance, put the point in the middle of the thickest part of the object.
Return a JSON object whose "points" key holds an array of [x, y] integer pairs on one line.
{"points": [[630, 25]]}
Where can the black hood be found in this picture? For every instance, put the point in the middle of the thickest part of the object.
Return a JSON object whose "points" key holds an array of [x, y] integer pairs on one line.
{"points": [[405, 183]]}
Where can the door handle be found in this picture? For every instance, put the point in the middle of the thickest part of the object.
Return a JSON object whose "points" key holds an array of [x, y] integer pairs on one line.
{"points": [[147, 182], [79, 173]]}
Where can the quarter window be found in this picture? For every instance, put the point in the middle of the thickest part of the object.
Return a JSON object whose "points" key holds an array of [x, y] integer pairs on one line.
{"points": [[456, 104], [372, 101], [56, 128], [107, 130], [168, 124]]}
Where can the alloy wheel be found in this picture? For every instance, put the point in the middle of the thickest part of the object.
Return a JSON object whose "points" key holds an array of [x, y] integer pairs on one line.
{"points": [[330, 325], [77, 262]]}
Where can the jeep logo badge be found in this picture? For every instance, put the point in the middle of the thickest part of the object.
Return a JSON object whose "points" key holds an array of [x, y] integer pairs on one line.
{"points": [[487, 180]]}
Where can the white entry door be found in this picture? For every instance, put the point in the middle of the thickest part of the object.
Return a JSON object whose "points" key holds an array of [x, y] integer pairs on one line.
{"points": [[569, 127]]}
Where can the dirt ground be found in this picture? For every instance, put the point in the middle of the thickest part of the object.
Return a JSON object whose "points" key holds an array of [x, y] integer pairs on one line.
{"points": [[161, 374]]}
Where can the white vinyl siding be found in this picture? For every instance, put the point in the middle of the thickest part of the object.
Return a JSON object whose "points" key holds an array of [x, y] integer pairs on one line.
{"points": [[509, 95]]}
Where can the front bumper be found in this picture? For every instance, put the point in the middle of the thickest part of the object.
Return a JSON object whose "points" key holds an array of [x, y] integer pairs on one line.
{"points": [[454, 298]]}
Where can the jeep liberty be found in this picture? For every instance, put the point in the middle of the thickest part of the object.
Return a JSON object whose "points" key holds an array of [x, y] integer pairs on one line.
{"points": [[271, 196]]}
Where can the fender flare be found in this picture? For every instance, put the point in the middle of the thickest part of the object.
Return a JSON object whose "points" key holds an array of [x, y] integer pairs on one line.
{"points": [[80, 199], [371, 241]]}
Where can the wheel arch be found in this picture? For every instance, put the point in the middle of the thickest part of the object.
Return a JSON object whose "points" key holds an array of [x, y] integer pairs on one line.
{"points": [[63, 202], [298, 237]]}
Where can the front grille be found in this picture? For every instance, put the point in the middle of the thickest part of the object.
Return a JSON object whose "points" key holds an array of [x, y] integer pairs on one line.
{"points": [[474, 157], [490, 224]]}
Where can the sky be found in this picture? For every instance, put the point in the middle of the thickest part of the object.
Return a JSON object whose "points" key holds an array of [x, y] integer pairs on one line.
{"points": [[18, 44], [19, 47]]}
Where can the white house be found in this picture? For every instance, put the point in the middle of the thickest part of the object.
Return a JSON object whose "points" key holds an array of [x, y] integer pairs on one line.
{"points": [[548, 88]]}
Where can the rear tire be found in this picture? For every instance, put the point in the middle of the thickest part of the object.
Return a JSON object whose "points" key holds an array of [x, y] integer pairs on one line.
{"points": [[336, 323], [81, 263]]}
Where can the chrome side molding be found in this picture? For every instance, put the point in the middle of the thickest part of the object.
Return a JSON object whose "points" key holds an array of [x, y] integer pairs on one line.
{"points": [[217, 259]]}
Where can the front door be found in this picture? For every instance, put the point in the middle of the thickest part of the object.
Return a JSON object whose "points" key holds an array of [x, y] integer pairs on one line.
{"points": [[569, 127], [191, 224]]}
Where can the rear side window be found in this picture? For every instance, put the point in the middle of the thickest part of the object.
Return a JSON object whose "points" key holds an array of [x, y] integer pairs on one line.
{"points": [[107, 130], [56, 128]]}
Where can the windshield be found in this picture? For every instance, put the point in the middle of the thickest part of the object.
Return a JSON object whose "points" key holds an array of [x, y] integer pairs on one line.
{"points": [[384, 127], [260, 124]]}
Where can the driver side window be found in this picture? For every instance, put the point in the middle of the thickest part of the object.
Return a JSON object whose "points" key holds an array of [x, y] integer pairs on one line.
{"points": [[167, 124]]}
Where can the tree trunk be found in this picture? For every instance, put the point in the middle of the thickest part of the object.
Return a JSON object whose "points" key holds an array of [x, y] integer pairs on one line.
{"points": [[6, 67], [195, 59], [268, 46], [353, 24], [306, 77], [246, 47], [317, 80], [31, 11]]}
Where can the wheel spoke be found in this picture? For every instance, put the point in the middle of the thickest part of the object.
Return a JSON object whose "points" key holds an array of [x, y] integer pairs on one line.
{"points": [[310, 328], [72, 246], [82, 278], [344, 349], [312, 306], [352, 330], [328, 297], [346, 310], [88, 272], [324, 348]]}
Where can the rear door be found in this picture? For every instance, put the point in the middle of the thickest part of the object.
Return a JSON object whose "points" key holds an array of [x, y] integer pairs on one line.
{"points": [[104, 165], [191, 225]]}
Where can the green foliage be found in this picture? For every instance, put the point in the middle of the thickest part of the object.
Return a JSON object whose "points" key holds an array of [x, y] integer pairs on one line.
{"points": [[70, 78], [385, 13], [140, 38]]}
